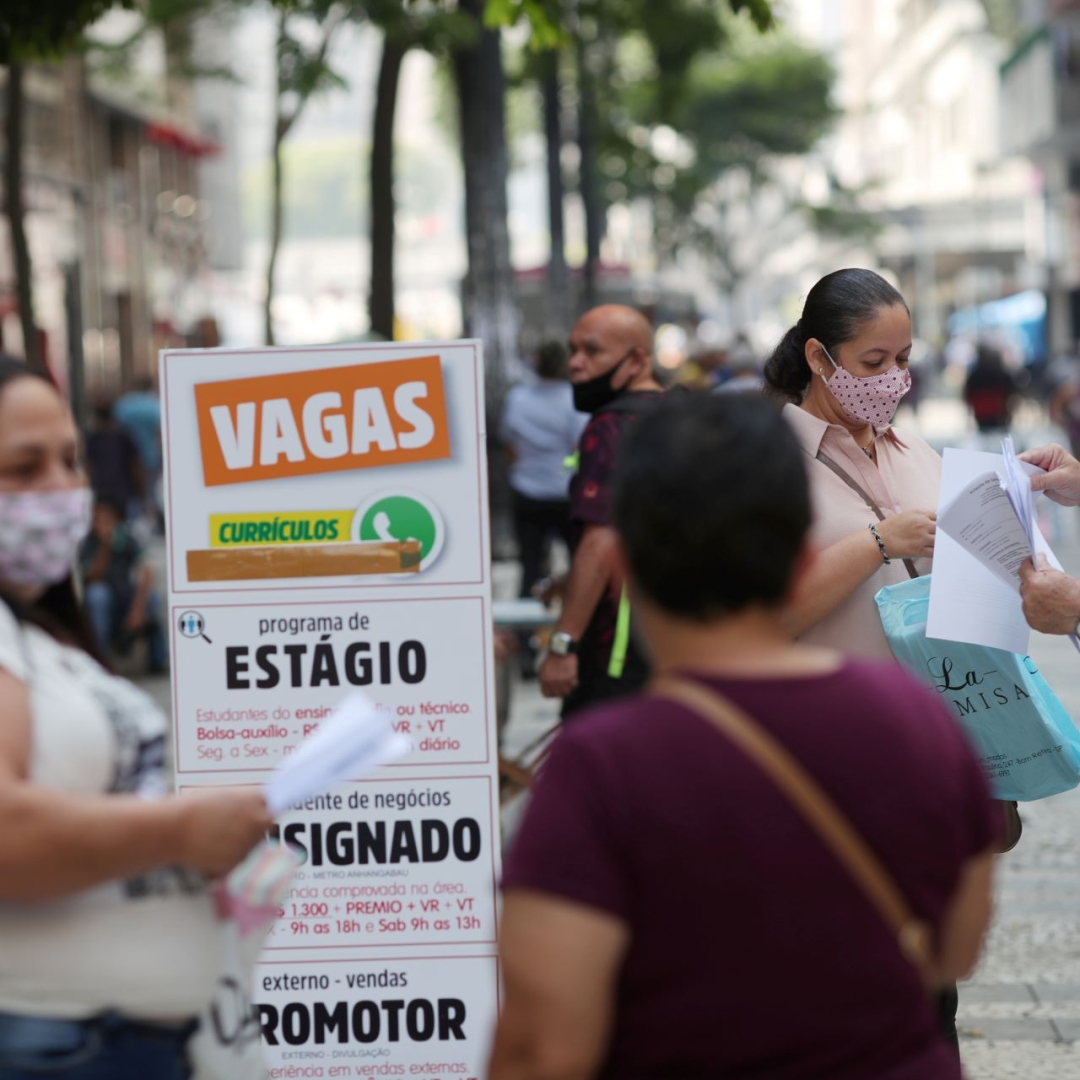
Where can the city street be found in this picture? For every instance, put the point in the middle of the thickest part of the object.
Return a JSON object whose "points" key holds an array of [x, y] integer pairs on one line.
{"points": [[1020, 1012], [319, 290]]}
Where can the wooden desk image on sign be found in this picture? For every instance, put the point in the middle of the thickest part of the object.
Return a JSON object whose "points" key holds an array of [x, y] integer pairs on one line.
{"points": [[328, 420], [303, 561]]}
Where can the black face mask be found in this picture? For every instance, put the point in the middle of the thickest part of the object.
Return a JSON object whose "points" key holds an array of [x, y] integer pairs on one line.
{"points": [[593, 394]]}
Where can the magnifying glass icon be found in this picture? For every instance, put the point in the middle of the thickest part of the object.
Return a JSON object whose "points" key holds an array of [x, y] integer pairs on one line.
{"points": [[191, 624]]}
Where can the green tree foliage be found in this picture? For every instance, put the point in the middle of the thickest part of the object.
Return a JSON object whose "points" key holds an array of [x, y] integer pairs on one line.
{"points": [[547, 19], [30, 29], [715, 142]]}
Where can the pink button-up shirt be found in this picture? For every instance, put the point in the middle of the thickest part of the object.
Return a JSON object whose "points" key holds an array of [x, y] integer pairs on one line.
{"points": [[906, 477]]}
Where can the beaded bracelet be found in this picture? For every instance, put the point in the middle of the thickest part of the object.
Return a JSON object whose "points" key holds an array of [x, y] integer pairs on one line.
{"points": [[881, 544]]}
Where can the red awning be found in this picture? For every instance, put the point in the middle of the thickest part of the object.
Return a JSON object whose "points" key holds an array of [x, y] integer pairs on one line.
{"points": [[192, 145]]}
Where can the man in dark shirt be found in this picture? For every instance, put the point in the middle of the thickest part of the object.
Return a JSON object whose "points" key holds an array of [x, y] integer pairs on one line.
{"points": [[611, 371], [668, 912]]}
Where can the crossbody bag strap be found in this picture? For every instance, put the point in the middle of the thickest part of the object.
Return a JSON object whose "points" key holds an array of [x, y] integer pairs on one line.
{"points": [[817, 809], [866, 498]]}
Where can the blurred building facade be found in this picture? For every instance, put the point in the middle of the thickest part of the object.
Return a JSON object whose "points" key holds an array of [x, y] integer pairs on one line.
{"points": [[1040, 85], [960, 211], [118, 219]]}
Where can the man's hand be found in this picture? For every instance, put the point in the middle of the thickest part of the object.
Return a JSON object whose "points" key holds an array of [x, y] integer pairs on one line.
{"points": [[1061, 481], [558, 675], [1051, 598]]}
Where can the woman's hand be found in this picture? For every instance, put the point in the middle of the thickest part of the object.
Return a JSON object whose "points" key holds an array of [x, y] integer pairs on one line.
{"points": [[909, 535], [217, 829]]}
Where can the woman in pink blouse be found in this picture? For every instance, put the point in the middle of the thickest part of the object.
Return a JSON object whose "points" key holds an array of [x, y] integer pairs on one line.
{"points": [[843, 370]]}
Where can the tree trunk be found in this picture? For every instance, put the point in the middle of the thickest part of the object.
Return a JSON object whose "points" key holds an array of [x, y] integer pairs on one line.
{"points": [[488, 301], [591, 203], [381, 294], [15, 209], [558, 282], [276, 219], [281, 128]]}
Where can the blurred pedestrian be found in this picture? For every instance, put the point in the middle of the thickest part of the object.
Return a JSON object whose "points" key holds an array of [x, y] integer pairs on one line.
{"points": [[991, 392], [139, 412], [611, 371], [108, 934], [540, 429], [112, 456], [843, 370], [704, 370], [744, 374], [670, 909], [1064, 404], [118, 586]]}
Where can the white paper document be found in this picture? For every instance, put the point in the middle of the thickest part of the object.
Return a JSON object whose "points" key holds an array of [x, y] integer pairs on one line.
{"points": [[987, 527], [354, 740]]}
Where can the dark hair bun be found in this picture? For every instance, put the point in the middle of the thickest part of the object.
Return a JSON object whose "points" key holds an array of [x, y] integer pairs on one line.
{"points": [[786, 373]]}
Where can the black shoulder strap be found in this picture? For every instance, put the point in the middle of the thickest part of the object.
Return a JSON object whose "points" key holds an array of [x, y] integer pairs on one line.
{"points": [[856, 487]]}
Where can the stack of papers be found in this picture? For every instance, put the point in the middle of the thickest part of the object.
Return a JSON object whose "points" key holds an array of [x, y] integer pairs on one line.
{"points": [[987, 527]]}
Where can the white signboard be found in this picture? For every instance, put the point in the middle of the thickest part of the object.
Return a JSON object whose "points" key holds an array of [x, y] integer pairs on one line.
{"points": [[327, 524]]}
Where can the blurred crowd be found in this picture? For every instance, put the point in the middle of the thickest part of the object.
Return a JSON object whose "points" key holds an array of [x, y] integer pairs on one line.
{"points": [[123, 456]]}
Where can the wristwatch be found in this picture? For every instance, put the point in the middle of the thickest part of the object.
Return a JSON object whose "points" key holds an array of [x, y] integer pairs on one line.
{"points": [[562, 644]]}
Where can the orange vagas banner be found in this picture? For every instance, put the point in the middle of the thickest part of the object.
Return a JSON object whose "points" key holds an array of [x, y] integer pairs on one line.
{"points": [[328, 420]]}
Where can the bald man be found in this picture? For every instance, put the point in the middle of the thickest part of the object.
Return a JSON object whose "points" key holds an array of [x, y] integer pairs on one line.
{"points": [[611, 372]]}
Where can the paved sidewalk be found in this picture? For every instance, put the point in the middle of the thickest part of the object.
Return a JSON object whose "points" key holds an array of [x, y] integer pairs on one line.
{"points": [[1020, 1013]]}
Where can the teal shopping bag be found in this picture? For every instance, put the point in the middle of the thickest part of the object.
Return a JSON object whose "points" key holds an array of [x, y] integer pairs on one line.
{"points": [[1021, 732]]}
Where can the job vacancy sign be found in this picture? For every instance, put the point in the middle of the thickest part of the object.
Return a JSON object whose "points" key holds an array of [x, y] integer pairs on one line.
{"points": [[327, 531]]}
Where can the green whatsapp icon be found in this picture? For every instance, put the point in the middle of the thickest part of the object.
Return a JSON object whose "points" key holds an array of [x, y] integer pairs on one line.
{"points": [[400, 516]]}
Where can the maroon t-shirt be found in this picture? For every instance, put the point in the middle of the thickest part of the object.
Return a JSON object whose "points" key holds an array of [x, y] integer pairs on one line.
{"points": [[752, 951]]}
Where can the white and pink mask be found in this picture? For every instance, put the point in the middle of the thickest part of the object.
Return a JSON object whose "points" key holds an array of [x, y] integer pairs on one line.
{"points": [[40, 534], [871, 400]]}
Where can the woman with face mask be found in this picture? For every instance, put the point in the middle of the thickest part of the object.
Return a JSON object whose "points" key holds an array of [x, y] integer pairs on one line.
{"points": [[843, 371], [107, 934]]}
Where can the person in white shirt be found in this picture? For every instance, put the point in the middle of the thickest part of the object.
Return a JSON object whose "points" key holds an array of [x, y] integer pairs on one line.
{"points": [[540, 429], [108, 937]]}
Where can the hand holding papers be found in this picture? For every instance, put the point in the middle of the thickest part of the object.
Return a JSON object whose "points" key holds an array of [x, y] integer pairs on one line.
{"points": [[354, 740], [987, 516], [992, 518]]}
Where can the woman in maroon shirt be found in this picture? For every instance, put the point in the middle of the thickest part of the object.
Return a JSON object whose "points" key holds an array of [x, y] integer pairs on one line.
{"points": [[668, 912]]}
